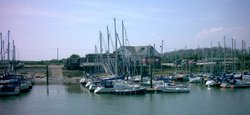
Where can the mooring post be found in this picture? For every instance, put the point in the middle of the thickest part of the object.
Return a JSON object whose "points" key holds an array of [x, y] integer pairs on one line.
{"points": [[47, 75], [151, 76], [141, 70]]}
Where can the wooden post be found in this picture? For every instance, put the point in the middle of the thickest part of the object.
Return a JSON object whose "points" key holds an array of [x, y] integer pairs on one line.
{"points": [[47, 75], [141, 69], [151, 76]]}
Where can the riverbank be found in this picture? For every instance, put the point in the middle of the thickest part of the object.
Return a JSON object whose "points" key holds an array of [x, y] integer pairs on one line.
{"points": [[57, 74]]}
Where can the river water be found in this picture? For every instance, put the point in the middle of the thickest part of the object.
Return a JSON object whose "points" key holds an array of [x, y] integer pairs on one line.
{"points": [[72, 99]]}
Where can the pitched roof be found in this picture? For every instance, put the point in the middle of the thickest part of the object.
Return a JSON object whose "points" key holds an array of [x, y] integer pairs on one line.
{"points": [[139, 50]]}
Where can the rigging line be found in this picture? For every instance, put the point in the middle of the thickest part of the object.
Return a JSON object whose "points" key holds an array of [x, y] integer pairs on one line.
{"points": [[105, 44], [118, 39], [126, 37], [112, 43]]}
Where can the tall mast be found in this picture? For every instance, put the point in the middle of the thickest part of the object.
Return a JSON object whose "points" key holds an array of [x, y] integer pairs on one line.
{"points": [[96, 56], [123, 57], [101, 59], [211, 55], [161, 53], [199, 69], [224, 54], [232, 55], [116, 55], [108, 36], [13, 57], [123, 37], [13, 51], [8, 50], [235, 65], [1, 50], [185, 56]]}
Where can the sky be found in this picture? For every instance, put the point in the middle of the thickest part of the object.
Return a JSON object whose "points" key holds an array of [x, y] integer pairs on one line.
{"points": [[39, 27]]}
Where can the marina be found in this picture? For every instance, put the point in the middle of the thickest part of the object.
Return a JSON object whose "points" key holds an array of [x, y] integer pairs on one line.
{"points": [[75, 99], [124, 57]]}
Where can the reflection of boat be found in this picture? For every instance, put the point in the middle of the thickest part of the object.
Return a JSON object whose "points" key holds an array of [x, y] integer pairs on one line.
{"points": [[176, 89]]}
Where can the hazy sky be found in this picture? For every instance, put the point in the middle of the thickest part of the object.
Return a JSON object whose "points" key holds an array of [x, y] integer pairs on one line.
{"points": [[39, 27]]}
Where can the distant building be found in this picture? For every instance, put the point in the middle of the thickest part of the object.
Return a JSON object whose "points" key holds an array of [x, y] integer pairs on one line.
{"points": [[73, 63], [136, 53], [127, 56]]}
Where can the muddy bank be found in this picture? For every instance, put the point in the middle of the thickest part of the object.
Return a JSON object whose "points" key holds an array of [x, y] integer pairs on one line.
{"points": [[57, 80], [56, 73]]}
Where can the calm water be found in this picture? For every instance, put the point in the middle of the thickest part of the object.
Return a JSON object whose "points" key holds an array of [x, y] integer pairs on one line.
{"points": [[75, 100]]}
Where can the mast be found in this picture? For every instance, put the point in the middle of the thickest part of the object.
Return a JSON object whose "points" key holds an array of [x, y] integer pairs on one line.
{"points": [[1, 50], [211, 55], [123, 37], [96, 60], [244, 63], [199, 68], [185, 56], [101, 58], [123, 47], [161, 53], [232, 55], [224, 54], [150, 68], [108, 36], [109, 62], [8, 50], [116, 53], [235, 65], [13, 57]]}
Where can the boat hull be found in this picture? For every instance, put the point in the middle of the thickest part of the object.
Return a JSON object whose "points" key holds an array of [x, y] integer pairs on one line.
{"points": [[130, 91]]}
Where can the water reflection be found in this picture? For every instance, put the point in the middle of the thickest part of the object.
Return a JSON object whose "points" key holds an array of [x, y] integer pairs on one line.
{"points": [[67, 99], [47, 89]]}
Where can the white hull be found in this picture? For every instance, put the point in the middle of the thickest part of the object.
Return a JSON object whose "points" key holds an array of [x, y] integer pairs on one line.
{"points": [[175, 90], [195, 80], [92, 87]]}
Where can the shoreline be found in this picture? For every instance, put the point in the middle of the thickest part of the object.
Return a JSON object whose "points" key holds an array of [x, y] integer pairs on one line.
{"points": [[58, 80]]}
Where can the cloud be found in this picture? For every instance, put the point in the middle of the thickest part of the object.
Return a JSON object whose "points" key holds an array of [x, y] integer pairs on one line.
{"points": [[210, 31], [24, 13], [216, 34]]}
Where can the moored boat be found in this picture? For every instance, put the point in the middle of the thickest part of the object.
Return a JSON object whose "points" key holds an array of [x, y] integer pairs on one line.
{"points": [[176, 89], [236, 84], [130, 91], [9, 85]]}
